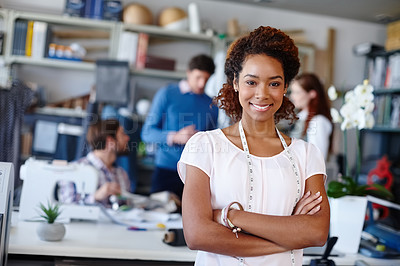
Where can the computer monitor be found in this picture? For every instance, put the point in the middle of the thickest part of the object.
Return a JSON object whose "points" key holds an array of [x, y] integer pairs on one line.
{"points": [[6, 202]]}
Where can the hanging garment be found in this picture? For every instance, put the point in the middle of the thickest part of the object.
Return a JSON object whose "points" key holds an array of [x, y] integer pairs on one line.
{"points": [[13, 103]]}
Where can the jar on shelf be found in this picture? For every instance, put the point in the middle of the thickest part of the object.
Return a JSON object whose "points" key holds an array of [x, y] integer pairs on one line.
{"points": [[60, 51], [68, 52], [52, 49]]}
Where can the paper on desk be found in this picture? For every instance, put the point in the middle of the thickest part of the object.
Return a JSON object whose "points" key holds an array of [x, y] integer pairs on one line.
{"points": [[160, 201], [145, 219]]}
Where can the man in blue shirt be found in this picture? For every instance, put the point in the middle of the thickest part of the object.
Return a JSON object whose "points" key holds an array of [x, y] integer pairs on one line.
{"points": [[178, 111]]}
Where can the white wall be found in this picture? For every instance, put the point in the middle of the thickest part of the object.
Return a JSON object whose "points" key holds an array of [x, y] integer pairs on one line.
{"points": [[348, 70]]}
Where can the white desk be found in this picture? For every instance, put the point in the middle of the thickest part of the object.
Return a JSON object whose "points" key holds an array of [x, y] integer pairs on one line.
{"points": [[104, 240], [97, 240]]}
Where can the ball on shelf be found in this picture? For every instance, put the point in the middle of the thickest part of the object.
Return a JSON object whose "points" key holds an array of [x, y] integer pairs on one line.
{"points": [[173, 18], [137, 14]]}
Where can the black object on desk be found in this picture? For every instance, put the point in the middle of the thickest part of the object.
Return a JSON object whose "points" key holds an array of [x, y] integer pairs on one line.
{"points": [[324, 261], [175, 237]]}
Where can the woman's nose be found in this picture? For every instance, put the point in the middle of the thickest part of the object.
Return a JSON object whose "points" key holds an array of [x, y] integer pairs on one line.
{"points": [[262, 92]]}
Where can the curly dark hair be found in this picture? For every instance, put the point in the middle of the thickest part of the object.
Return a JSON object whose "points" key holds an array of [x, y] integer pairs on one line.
{"points": [[263, 40]]}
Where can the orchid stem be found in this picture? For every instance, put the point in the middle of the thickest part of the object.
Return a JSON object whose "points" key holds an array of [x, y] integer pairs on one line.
{"points": [[358, 163], [346, 167]]}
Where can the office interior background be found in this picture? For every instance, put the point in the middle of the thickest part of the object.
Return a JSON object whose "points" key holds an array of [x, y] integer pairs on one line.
{"points": [[327, 34]]}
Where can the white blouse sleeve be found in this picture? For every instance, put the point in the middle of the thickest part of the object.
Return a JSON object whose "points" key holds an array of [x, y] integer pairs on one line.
{"points": [[198, 152], [315, 163]]}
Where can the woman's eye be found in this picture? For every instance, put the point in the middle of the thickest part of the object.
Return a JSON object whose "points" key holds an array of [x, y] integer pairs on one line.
{"points": [[250, 82], [275, 84]]}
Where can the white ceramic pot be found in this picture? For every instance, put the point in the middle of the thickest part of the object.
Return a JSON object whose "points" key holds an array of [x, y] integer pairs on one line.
{"points": [[347, 220], [51, 232]]}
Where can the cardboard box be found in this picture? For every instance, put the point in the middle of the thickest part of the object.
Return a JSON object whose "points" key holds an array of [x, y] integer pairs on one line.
{"points": [[393, 36]]}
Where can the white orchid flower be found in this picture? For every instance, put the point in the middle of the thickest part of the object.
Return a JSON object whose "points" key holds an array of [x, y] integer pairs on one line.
{"points": [[364, 97], [332, 93], [349, 97], [346, 124], [348, 109], [369, 120], [336, 118], [369, 108], [365, 88], [358, 107], [359, 119]]}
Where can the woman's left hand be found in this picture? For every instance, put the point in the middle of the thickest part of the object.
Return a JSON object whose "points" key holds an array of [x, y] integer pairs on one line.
{"points": [[308, 204]]}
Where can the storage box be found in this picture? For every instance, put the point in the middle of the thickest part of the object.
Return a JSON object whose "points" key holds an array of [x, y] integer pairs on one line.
{"points": [[75, 8], [112, 10], [393, 36], [159, 63]]}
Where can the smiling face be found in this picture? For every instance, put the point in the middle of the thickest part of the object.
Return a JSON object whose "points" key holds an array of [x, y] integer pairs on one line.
{"points": [[261, 86]]}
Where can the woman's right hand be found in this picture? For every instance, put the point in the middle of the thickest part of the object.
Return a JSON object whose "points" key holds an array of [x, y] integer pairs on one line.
{"points": [[308, 204]]}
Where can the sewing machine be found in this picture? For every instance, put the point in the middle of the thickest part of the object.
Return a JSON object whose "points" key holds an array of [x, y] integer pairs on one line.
{"points": [[41, 181]]}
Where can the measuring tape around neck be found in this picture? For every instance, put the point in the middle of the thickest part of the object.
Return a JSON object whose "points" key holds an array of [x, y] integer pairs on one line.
{"points": [[250, 206]]}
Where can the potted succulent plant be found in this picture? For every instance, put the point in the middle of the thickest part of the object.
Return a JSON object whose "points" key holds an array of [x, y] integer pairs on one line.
{"points": [[49, 229], [347, 197]]}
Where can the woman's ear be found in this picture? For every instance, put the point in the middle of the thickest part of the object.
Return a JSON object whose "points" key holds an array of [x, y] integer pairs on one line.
{"points": [[312, 94], [235, 85]]}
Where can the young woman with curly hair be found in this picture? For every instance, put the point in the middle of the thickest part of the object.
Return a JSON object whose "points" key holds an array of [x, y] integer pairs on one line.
{"points": [[252, 195]]}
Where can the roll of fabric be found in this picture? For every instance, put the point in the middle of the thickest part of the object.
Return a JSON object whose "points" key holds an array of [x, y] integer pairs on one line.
{"points": [[194, 18]]}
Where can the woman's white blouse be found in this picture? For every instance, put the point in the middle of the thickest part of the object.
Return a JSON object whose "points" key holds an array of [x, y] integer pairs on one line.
{"points": [[318, 132], [274, 183]]}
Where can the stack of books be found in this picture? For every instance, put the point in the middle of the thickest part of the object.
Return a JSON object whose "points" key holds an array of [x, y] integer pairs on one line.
{"points": [[31, 38]]}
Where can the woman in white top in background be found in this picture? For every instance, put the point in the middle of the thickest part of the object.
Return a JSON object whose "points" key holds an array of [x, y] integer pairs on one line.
{"points": [[253, 196], [315, 122]]}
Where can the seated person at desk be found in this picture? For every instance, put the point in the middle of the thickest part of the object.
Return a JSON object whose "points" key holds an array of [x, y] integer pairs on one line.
{"points": [[178, 111], [107, 139], [315, 121]]}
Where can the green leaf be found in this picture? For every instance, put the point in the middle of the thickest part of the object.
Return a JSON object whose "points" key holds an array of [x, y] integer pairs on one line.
{"points": [[49, 213], [361, 190], [336, 194], [335, 185], [348, 186], [380, 192], [336, 189]]}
